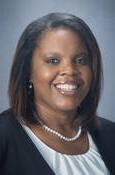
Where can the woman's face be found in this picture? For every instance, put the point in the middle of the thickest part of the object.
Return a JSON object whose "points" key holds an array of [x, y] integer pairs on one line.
{"points": [[61, 73]]}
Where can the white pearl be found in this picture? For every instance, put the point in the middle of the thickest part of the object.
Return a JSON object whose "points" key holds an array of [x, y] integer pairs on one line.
{"points": [[60, 135]]}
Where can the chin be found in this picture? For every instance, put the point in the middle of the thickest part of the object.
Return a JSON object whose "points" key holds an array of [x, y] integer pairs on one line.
{"points": [[67, 107]]}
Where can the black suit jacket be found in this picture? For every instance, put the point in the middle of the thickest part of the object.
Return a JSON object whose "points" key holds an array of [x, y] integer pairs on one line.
{"points": [[19, 156]]}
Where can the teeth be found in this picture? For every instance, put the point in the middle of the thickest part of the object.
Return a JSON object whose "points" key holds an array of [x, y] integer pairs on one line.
{"points": [[66, 87]]}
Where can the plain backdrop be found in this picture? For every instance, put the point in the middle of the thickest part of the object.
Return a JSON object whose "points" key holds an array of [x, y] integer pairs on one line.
{"points": [[15, 15]]}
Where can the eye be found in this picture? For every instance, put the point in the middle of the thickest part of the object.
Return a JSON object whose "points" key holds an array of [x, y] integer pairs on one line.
{"points": [[82, 60], [53, 60]]}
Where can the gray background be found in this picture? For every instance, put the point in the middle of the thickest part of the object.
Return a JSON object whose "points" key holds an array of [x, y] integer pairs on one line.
{"points": [[15, 15]]}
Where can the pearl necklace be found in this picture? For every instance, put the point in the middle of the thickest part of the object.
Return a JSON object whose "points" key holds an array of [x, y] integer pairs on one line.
{"points": [[62, 137]]}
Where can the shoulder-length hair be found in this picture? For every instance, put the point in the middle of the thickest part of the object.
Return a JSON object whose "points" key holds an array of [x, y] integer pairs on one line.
{"points": [[21, 101]]}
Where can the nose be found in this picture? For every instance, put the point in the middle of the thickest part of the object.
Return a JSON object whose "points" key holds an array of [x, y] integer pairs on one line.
{"points": [[69, 69]]}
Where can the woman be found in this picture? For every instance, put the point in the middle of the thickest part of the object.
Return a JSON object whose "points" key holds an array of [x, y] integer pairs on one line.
{"points": [[54, 90]]}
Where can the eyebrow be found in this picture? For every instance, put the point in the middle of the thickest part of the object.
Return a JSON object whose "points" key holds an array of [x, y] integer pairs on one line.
{"points": [[81, 54], [51, 54], [55, 54]]}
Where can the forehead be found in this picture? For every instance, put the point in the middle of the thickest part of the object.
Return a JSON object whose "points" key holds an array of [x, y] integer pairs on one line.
{"points": [[61, 38]]}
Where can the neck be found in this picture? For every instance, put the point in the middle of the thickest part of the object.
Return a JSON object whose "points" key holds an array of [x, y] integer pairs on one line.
{"points": [[60, 120]]}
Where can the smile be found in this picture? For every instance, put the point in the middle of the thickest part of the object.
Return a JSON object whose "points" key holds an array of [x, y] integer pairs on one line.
{"points": [[67, 89]]}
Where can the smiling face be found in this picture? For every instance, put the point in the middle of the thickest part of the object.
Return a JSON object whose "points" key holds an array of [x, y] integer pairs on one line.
{"points": [[61, 73]]}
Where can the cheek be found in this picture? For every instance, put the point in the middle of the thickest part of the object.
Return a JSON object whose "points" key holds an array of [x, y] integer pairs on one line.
{"points": [[42, 77], [41, 84], [87, 76]]}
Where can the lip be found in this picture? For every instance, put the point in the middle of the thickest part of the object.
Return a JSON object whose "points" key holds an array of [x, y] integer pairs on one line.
{"points": [[67, 93], [67, 82]]}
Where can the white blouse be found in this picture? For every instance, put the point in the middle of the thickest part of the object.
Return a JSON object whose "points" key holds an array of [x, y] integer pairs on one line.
{"points": [[89, 163]]}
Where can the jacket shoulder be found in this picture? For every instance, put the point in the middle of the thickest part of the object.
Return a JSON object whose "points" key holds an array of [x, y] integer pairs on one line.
{"points": [[6, 130], [6, 118], [106, 125], [8, 125]]}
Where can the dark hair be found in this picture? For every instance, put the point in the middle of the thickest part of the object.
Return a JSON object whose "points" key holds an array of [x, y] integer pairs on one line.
{"points": [[22, 103]]}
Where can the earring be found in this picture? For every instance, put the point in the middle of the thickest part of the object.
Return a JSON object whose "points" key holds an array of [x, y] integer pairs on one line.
{"points": [[30, 85], [30, 88]]}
